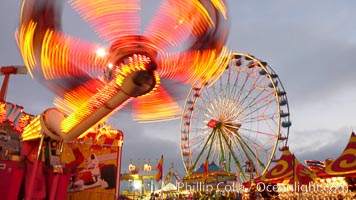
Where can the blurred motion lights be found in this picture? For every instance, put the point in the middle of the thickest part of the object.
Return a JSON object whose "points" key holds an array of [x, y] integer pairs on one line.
{"points": [[184, 42]]}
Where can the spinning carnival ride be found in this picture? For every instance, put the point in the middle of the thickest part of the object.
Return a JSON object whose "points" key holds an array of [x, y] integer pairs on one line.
{"points": [[237, 121], [184, 42]]}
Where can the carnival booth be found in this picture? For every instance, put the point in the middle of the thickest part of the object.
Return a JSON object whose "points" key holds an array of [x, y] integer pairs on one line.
{"points": [[12, 122], [287, 170], [214, 176], [341, 172], [345, 164], [95, 178], [285, 178], [210, 181], [79, 169]]}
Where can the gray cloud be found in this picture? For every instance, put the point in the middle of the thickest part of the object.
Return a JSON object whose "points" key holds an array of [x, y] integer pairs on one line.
{"points": [[24, 91], [9, 21], [310, 48], [325, 143], [143, 142]]}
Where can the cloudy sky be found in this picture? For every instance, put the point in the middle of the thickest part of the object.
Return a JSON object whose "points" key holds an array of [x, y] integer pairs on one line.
{"points": [[310, 44]]}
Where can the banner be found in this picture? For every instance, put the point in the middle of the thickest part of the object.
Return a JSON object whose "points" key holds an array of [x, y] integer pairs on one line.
{"points": [[96, 176], [159, 169], [206, 170]]}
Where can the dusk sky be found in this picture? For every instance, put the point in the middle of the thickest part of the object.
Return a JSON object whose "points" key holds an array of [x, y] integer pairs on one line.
{"points": [[310, 44]]}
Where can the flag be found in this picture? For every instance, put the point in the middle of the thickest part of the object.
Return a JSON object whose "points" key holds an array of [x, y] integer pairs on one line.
{"points": [[206, 170], [315, 165], [159, 169]]}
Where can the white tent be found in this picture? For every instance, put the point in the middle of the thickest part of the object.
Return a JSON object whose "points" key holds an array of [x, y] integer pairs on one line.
{"points": [[169, 187]]}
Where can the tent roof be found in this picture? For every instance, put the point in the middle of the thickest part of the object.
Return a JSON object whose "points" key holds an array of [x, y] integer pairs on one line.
{"points": [[345, 164], [288, 169], [212, 167]]}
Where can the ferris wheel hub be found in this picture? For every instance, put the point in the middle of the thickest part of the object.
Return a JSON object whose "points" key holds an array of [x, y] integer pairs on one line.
{"points": [[213, 123]]}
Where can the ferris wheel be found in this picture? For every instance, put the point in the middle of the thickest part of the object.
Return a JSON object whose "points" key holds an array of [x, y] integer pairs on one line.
{"points": [[237, 121]]}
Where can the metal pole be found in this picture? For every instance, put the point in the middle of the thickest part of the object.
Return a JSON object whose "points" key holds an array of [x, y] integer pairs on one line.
{"points": [[118, 170], [293, 168], [34, 170], [4, 87], [55, 180], [151, 182]]}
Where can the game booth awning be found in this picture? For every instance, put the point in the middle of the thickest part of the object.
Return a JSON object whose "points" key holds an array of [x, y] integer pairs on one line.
{"points": [[287, 170], [345, 164], [215, 175]]}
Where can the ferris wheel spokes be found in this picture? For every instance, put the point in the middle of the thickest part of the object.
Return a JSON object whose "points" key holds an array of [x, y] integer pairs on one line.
{"points": [[235, 120]]}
